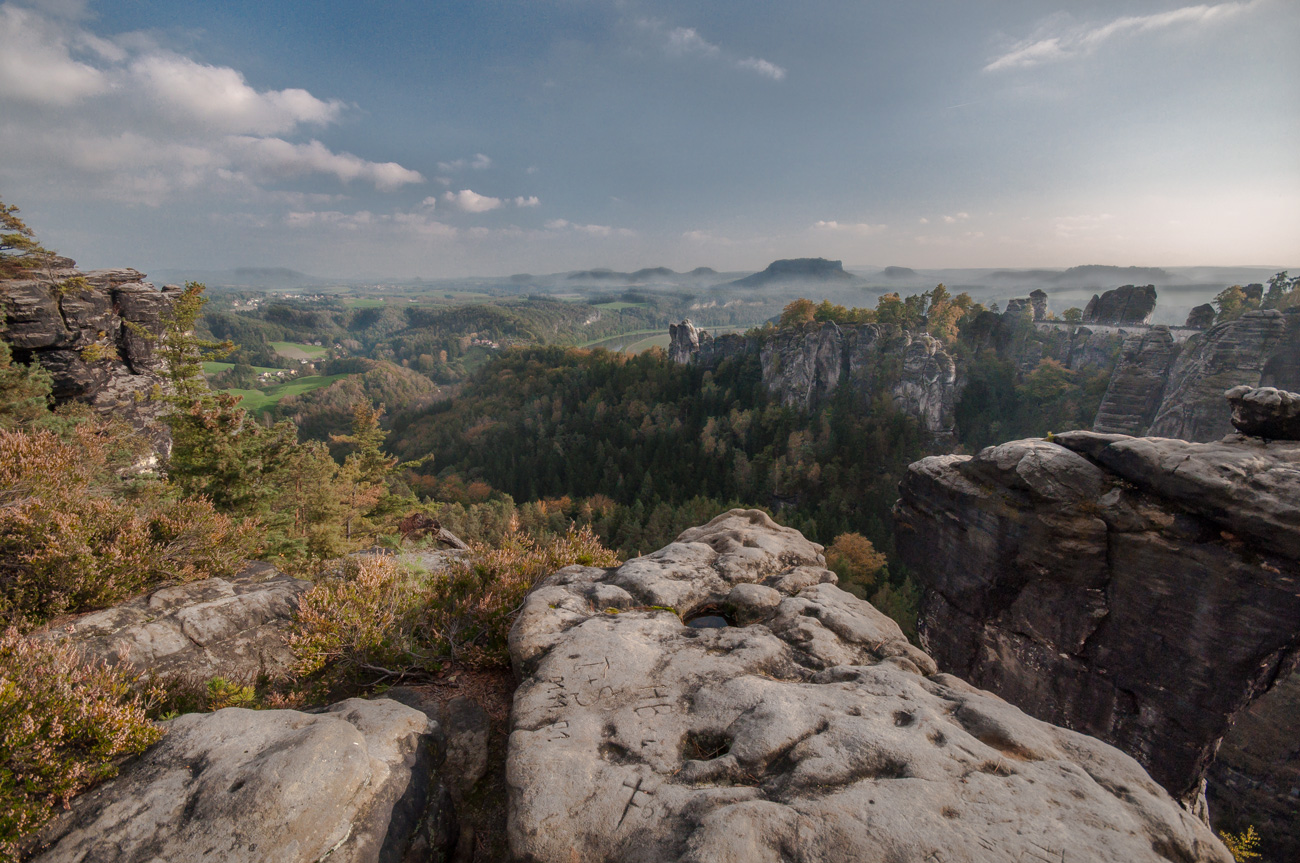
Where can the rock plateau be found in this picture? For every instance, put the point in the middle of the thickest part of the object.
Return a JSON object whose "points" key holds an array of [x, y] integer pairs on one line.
{"points": [[807, 729]]}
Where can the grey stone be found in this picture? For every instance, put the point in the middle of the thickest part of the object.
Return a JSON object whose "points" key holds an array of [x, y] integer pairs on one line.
{"points": [[233, 628], [1142, 589], [1201, 317], [1138, 383], [815, 733], [1228, 355], [354, 784], [1265, 412], [1129, 304], [98, 342]]}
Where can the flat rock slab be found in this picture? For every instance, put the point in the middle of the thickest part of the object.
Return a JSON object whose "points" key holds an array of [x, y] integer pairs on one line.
{"points": [[816, 732], [354, 784], [233, 628]]}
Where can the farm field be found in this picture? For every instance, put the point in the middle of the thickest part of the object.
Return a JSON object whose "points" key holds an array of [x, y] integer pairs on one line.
{"points": [[298, 350], [214, 368], [258, 400]]}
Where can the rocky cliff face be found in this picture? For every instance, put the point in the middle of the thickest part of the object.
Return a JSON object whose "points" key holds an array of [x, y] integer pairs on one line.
{"points": [[806, 728], [1138, 383], [803, 367], [1140, 589], [98, 342]]}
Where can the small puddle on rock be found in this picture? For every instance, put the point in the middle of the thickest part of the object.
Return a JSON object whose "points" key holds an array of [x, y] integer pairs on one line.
{"points": [[709, 617]]}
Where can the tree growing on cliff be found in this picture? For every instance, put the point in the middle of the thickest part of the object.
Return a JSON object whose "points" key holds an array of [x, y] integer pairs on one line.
{"points": [[19, 250]]}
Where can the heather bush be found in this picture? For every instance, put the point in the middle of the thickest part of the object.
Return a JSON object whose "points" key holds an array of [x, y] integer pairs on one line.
{"points": [[63, 722], [380, 622], [74, 537]]}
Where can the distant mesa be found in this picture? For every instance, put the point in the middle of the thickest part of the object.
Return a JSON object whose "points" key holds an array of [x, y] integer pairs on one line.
{"points": [[649, 273], [1088, 275], [703, 271], [899, 273], [796, 270], [604, 274]]}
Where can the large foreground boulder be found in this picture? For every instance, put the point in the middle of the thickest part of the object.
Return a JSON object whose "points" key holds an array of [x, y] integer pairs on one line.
{"points": [[229, 627], [355, 784], [808, 728]]}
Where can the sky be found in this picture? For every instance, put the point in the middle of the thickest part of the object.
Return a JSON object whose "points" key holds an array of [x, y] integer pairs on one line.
{"points": [[444, 139]]}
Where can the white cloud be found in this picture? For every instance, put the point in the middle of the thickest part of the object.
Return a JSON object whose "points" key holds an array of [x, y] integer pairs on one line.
{"points": [[592, 230], [276, 158], [530, 201], [952, 220], [220, 99], [479, 162], [687, 42], [762, 67], [1046, 48], [861, 228], [471, 201], [924, 221], [124, 118], [420, 223], [36, 62]]}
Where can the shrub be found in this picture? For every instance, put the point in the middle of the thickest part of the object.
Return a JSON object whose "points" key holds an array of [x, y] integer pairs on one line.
{"points": [[1244, 845], [855, 560], [74, 537], [63, 722], [379, 619]]}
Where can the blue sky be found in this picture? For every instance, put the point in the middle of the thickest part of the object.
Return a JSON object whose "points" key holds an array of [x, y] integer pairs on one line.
{"points": [[442, 139]]}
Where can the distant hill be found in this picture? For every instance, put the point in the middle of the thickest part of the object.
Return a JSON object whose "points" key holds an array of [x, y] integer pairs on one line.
{"points": [[604, 274], [700, 272], [1089, 275], [899, 273], [796, 270]]}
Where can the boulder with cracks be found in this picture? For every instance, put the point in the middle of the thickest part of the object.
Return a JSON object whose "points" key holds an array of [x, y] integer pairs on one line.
{"points": [[808, 728]]}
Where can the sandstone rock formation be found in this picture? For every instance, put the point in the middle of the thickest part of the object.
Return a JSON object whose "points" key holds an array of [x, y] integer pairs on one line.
{"points": [[233, 628], [1038, 303], [1265, 412], [355, 784], [1138, 383], [809, 729], [1143, 590], [1255, 778], [98, 342], [1228, 355], [1201, 317], [1129, 304], [803, 367]]}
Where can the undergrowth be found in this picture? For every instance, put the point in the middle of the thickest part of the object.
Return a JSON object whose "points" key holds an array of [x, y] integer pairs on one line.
{"points": [[64, 722], [381, 623]]}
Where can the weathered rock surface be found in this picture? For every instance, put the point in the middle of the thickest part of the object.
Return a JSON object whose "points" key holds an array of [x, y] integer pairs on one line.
{"points": [[1038, 303], [357, 783], [1228, 355], [1129, 304], [1143, 590], [814, 732], [1255, 778], [1201, 317], [233, 628], [804, 366], [1138, 383], [1265, 412], [97, 342]]}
